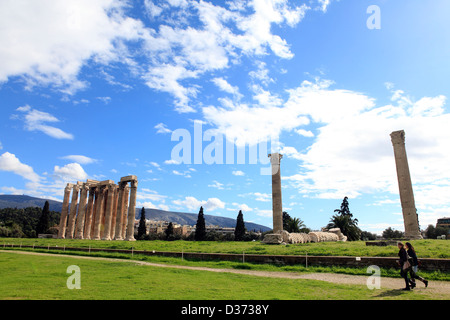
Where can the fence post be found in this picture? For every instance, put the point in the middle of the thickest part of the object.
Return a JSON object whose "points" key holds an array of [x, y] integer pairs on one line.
{"points": [[243, 256], [306, 259]]}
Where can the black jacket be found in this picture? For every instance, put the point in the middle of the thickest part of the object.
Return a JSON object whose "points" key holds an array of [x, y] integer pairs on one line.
{"points": [[403, 256], [413, 257]]}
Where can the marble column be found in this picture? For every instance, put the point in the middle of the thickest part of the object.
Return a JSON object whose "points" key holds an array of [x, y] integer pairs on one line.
{"points": [[79, 227], [114, 215], [132, 211], [119, 215], [277, 210], [410, 217], [73, 212], [108, 213], [125, 211], [98, 213], [64, 212], [89, 213]]}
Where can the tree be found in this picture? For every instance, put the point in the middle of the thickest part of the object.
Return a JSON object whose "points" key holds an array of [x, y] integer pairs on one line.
{"points": [[390, 233], [142, 229], [344, 210], [344, 221], [286, 220], [432, 232], [169, 231], [365, 235], [239, 230], [200, 228], [292, 225], [44, 220]]}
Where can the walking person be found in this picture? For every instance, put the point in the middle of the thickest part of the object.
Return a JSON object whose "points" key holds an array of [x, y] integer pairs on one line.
{"points": [[415, 263], [405, 265]]}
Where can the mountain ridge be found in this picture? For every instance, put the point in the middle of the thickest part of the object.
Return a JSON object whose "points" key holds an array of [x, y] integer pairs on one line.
{"points": [[183, 218]]}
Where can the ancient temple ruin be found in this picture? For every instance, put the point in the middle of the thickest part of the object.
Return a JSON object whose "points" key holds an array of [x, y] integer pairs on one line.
{"points": [[99, 210]]}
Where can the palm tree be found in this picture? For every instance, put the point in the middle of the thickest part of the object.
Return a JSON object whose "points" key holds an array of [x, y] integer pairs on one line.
{"points": [[295, 225], [348, 226]]}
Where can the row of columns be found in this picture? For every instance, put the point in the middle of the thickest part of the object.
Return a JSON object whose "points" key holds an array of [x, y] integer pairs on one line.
{"points": [[104, 210]]}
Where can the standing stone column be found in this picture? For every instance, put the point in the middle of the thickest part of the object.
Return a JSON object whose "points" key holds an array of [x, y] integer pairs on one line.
{"points": [[119, 215], [277, 209], [79, 229], [73, 212], [132, 211], [114, 215], [108, 212], [410, 217], [89, 213], [64, 212], [125, 211], [98, 213]]}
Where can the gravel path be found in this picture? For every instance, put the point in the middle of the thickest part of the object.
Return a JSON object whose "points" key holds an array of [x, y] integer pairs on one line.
{"points": [[435, 287]]}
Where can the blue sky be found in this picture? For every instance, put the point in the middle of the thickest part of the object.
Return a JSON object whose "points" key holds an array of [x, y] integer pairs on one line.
{"points": [[103, 89]]}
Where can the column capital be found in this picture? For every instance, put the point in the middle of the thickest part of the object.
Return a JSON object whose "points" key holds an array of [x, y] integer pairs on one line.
{"points": [[398, 137]]}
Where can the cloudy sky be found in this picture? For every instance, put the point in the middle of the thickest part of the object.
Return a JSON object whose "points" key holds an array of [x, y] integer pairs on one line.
{"points": [[190, 96]]}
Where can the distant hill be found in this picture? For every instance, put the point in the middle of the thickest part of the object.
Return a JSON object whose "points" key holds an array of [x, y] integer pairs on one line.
{"points": [[183, 218]]}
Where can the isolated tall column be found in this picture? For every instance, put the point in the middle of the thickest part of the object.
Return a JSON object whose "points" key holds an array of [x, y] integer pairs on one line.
{"points": [[277, 209], [410, 217]]}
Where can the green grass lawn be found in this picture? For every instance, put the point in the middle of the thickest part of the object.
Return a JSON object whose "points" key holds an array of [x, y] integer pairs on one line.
{"points": [[45, 277], [424, 248]]}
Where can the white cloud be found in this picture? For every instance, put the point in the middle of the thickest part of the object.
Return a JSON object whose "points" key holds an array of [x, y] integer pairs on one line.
{"points": [[171, 161], [35, 121], [305, 133], [47, 42], [238, 173], [162, 128], [185, 174], [241, 206], [70, 172], [217, 185], [9, 162], [192, 203], [353, 154], [80, 159], [223, 85]]}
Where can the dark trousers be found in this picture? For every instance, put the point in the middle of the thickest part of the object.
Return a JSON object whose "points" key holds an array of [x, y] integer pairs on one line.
{"points": [[404, 275], [414, 276]]}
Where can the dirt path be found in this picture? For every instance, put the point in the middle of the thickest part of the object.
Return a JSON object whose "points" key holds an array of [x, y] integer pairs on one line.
{"points": [[435, 287]]}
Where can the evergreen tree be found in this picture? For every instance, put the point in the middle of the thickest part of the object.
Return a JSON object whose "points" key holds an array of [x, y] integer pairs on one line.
{"points": [[344, 210], [142, 229], [169, 231], [345, 222], [286, 220], [44, 220], [200, 227], [239, 230]]}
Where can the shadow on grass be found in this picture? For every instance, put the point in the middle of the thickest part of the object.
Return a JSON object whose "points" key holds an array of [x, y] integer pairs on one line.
{"points": [[392, 293]]}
